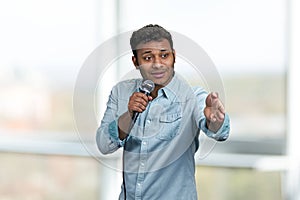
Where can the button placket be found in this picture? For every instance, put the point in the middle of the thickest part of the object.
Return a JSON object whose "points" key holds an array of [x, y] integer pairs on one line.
{"points": [[141, 171]]}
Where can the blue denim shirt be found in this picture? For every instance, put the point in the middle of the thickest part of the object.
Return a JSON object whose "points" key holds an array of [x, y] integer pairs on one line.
{"points": [[159, 151]]}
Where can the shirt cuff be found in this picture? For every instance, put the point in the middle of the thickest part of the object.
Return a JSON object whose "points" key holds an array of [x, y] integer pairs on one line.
{"points": [[114, 134], [222, 134]]}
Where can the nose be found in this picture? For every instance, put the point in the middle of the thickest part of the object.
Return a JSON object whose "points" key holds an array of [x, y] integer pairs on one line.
{"points": [[157, 62]]}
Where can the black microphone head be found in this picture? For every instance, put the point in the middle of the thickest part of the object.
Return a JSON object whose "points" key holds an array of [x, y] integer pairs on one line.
{"points": [[147, 87]]}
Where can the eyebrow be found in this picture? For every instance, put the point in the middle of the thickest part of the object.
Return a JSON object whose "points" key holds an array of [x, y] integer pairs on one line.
{"points": [[149, 51]]}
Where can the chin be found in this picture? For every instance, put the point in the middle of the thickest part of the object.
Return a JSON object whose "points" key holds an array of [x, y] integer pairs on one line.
{"points": [[161, 82]]}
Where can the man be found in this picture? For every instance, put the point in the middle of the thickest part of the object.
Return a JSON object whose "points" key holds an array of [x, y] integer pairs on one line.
{"points": [[159, 146]]}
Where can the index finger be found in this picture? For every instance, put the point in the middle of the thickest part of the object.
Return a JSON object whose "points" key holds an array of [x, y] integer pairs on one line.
{"points": [[141, 95]]}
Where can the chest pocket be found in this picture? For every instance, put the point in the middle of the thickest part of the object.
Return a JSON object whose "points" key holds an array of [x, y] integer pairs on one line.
{"points": [[170, 124]]}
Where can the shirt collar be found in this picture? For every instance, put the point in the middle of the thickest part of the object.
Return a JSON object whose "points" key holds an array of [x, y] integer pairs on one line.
{"points": [[169, 91]]}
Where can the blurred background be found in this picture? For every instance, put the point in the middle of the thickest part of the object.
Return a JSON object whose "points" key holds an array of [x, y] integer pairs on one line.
{"points": [[43, 44]]}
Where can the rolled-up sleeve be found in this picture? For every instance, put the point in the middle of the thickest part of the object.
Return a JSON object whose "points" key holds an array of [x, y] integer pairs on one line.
{"points": [[223, 133], [107, 136]]}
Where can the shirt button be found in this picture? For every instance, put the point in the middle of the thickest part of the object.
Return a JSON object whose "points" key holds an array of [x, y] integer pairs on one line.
{"points": [[142, 164], [148, 121], [144, 143]]}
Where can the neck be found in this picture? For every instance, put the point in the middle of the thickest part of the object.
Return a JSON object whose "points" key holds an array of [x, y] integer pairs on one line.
{"points": [[154, 93]]}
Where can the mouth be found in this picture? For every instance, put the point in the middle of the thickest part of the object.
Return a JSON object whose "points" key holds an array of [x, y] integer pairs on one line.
{"points": [[158, 74]]}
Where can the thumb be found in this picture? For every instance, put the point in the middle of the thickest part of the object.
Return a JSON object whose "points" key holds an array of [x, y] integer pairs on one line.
{"points": [[209, 99]]}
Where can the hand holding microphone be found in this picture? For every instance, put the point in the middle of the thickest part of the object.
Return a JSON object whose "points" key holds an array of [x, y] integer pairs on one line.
{"points": [[137, 104], [139, 100]]}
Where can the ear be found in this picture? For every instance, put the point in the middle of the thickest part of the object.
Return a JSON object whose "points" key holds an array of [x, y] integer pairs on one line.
{"points": [[135, 62], [174, 54]]}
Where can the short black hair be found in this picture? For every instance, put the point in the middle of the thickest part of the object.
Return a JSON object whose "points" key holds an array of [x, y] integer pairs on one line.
{"points": [[151, 32]]}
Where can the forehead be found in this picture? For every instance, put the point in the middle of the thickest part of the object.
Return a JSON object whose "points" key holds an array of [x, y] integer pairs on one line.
{"points": [[154, 45]]}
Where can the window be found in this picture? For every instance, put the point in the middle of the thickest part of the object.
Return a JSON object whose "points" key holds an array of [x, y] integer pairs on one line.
{"points": [[44, 45]]}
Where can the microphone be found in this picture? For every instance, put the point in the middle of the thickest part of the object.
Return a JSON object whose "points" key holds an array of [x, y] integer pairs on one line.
{"points": [[146, 87]]}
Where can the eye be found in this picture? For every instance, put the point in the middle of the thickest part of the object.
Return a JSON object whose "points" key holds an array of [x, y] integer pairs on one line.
{"points": [[147, 58], [164, 55]]}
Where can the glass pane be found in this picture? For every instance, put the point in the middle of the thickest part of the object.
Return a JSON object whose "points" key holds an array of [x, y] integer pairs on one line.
{"points": [[41, 54], [256, 103], [237, 184], [38, 177]]}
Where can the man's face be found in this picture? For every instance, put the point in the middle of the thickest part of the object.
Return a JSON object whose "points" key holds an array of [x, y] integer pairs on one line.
{"points": [[155, 60]]}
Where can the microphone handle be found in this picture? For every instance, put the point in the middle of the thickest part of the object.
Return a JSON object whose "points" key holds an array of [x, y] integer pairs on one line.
{"points": [[135, 116]]}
